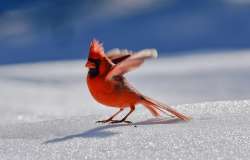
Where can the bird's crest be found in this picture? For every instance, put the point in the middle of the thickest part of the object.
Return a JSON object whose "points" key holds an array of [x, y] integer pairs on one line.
{"points": [[96, 50]]}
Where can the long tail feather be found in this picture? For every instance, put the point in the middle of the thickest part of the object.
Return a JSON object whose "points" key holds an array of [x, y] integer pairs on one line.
{"points": [[151, 108], [155, 106]]}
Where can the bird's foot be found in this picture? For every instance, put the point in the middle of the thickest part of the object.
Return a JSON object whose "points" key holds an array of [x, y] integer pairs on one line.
{"points": [[104, 121], [120, 121]]}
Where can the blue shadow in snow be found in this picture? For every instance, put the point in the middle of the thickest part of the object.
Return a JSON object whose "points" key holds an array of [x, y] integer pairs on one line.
{"points": [[101, 131]]}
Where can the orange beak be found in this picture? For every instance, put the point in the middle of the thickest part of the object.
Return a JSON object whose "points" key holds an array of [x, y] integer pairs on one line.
{"points": [[90, 65]]}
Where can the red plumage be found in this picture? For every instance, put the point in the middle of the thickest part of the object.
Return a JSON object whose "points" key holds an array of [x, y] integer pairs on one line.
{"points": [[108, 86]]}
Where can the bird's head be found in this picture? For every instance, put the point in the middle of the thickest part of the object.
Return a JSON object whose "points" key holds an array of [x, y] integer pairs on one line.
{"points": [[96, 54], [97, 61]]}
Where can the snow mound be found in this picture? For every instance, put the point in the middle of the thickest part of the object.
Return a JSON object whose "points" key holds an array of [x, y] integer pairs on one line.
{"points": [[217, 130], [47, 112]]}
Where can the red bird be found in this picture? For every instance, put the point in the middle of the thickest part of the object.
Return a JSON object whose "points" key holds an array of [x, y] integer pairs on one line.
{"points": [[108, 86]]}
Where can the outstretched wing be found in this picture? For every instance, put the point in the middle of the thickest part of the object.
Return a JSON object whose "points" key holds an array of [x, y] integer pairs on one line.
{"points": [[132, 62], [117, 55]]}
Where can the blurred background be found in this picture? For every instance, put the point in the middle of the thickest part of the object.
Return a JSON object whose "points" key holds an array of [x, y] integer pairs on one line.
{"points": [[204, 56], [42, 30], [204, 52]]}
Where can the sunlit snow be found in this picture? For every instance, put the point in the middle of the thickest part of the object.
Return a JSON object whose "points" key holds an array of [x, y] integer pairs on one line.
{"points": [[48, 113]]}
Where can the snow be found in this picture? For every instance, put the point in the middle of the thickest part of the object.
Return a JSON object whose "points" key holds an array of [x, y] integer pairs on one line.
{"points": [[47, 112]]}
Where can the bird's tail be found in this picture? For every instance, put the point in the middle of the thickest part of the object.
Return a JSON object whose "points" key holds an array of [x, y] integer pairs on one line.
{"points": [[155, 107]]}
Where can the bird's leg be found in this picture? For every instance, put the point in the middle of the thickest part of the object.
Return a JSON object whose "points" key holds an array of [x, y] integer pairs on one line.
{"points": [[132, 108], [110, 118]]}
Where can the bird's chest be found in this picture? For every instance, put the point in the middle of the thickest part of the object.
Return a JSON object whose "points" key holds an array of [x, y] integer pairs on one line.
{"points": [[98, 85], [106, 92]]}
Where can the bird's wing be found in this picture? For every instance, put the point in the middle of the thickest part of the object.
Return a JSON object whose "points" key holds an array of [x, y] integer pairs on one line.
{"points": [[132, 62], [117, 55]]}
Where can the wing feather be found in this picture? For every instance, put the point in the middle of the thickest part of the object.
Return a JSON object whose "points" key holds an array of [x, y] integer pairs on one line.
{"points": [[117, 55], [131, 63]]}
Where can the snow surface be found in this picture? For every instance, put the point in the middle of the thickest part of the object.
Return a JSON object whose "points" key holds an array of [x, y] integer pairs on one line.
{"points": [[47, 112]]}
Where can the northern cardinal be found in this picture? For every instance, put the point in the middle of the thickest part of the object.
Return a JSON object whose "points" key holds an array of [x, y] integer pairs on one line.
{"points": [[108, 86]]}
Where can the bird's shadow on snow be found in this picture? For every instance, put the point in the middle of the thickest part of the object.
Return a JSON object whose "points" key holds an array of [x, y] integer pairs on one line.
{"points": [[103, 132]]}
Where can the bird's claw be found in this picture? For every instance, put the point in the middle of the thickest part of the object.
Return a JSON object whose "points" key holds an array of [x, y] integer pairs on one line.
{"points": [[113, 121], [103, 121], [120, 121]]}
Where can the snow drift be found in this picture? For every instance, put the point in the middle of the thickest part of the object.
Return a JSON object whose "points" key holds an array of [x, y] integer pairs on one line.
{"points": [[47, 112]]}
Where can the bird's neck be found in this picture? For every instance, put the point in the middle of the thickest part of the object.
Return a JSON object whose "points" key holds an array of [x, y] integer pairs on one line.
{"points": [[102, 68], [94, 72]]}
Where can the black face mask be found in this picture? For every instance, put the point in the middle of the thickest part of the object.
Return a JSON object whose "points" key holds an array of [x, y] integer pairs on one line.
{"points": [[93, 72]]}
